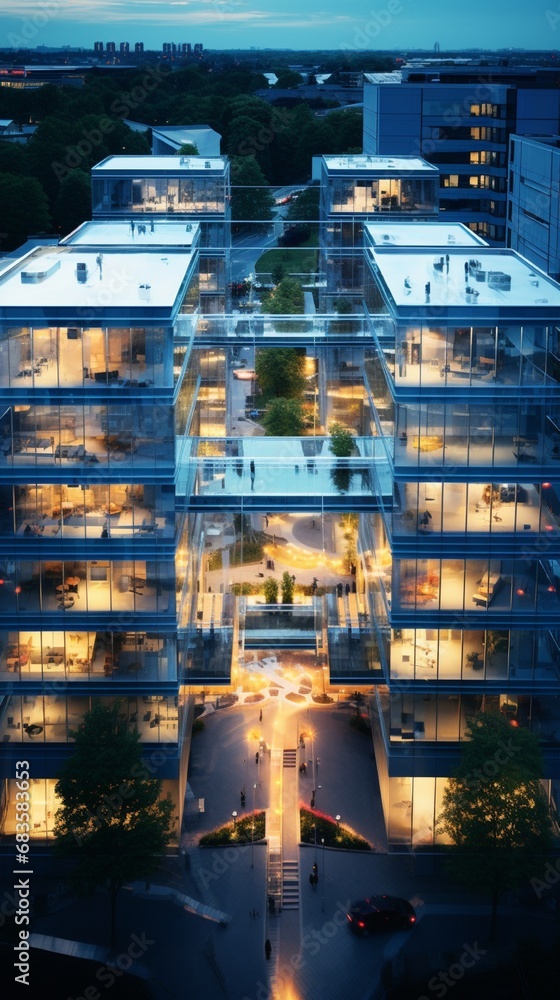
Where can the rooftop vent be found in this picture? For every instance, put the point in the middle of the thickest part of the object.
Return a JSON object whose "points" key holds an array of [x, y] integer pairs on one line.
{"points": [[207, 164], [144, 292], [81, 272], [184, 161], [39, 271], [499, 281]]}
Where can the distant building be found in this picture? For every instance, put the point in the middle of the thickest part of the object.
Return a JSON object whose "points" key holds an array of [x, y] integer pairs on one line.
{"points": [[111, 48], [172, 137], [139, 48], [460, 117], [98, 48], [533, 219], [124, 48], [198, 49], [31, 77], [186, 49]]}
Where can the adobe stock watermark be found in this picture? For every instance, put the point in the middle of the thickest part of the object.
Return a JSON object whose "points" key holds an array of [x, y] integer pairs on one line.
{"points": [[378, 22], [108, 974], [443, 981], [46, 11]]}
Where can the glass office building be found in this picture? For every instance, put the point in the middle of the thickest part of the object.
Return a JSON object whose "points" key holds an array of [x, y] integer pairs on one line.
{"points": [[193, 188], [94, 404], [462, 565], [355, 189]]}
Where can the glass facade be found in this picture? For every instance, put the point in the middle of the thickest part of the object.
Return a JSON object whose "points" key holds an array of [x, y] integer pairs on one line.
{"points": [[191, 188], [90, 582]]}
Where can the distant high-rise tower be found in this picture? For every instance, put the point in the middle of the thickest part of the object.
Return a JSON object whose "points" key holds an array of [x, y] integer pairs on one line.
{"points": [[124, 48], [198, 48], [98, 48], [186, 49], [139, 47], [111, 48], [436, 47], [167, 48]]}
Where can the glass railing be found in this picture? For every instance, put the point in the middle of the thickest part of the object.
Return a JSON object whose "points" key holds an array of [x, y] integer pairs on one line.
{"points": [[237, 328], [282, 467]]}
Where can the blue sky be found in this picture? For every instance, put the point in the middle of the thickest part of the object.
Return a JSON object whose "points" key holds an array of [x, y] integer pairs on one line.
{"points": [[356, 25]]}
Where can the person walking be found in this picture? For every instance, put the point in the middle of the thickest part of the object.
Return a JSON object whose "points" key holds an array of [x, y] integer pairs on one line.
{"points": [[260, 715], [267, 949]]}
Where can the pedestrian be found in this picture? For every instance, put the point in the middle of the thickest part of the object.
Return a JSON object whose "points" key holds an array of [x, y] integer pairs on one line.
{"points": [[293, 579], [132, 228], [313, 523], [267, 949], [317, 763], [152, 226], [257, 757], [242, 797], [260, 715], [266, 520], [347, 589]]}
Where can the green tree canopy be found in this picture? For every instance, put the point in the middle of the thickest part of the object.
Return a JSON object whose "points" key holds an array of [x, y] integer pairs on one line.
{"points": [[287, 79], [188, 149], [73, 205], [112, 822], [251, 195], [271, 590], [287, 298], [24, 209], [305, 208], [284, 418], [280, 371], [495, 811], [342, 441], [287, 588]]}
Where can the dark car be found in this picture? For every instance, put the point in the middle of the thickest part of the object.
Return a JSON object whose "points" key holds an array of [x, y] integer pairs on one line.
{"points": [[380, 913]]}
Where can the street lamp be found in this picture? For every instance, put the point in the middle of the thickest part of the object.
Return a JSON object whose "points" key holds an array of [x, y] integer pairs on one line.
{"points": [[337, 818], [234, 816], [323, 903]]}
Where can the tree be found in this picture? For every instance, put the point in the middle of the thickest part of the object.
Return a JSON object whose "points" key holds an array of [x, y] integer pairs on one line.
{"points": [[251, 196], [305, 208], [73, 205], [342, 446], [287, 298], [495, 811], [188, 149], [287, 588], [279, 372], [271, 590], [288, 79], [284, 418], [23, 209], [342, 442], [112, 822], [278, 272]]}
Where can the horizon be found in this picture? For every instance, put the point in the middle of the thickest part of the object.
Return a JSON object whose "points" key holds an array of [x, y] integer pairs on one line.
{"points": [[221, 25]]}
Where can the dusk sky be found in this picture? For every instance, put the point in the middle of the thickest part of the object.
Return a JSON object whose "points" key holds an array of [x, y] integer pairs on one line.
{"points": [[330, 24]]}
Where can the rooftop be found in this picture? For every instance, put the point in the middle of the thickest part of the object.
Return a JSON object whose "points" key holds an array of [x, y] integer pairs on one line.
{"points": [[149, 165], [380, 164], [503, 279], [47, 278], [158, 233], [421, 234], [206, 139]]}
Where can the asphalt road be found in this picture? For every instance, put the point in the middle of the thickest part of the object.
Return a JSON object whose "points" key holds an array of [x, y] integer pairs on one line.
{"points": [[247, 250]]}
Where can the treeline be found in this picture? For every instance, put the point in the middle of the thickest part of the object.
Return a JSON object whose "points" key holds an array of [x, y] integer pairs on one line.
{"points": [[45, 187]]}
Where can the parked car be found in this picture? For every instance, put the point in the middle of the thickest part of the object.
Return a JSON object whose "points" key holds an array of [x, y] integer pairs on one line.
{"points": [[245, 374], [380, 913]]}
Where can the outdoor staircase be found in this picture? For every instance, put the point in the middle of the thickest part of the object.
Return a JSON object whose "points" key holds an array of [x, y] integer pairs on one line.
{"points": [[289, 758], [290, 885]]}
